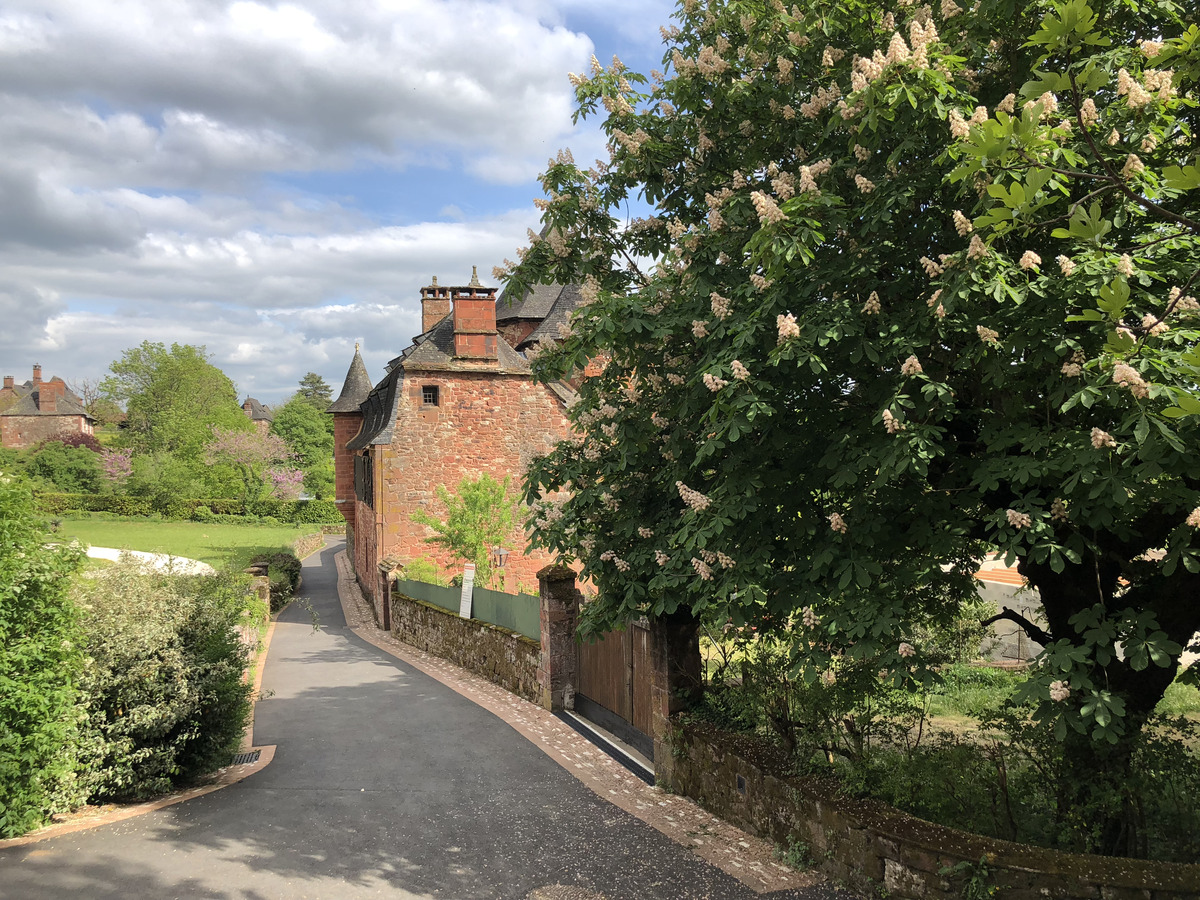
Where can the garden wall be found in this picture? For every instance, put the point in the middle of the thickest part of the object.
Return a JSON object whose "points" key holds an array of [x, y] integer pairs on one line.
{"points": [[870, 845], [495, 653]]}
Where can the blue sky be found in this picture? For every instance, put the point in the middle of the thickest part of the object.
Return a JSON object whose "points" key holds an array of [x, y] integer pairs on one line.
{"points": [[274, 180]]}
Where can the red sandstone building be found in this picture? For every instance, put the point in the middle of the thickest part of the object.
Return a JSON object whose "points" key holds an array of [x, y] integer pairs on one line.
{"points": [[458, 402], [37, 411]]}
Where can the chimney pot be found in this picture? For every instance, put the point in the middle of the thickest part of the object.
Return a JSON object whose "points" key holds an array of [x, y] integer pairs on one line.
{"points": [[435, 305], [37, 374]]}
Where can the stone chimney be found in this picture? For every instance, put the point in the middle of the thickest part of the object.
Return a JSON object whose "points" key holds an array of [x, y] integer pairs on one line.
{"points": [[475, 334], [47, 399], [37, 375], [8, 381], [435, 305]]}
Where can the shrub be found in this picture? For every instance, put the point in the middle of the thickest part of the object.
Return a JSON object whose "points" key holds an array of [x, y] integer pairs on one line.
{"points": [[163, 697], [283, 570], [77, 439], [67, 468], [425, 570], [39, 656]]}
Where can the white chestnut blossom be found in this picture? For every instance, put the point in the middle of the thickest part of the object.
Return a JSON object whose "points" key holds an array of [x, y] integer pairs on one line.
{"points": [[1059, 691], [1128, 377], [837, 523], [1065, 265], [1018, 520], [1193, 519], [987, 335], [912, 366], [872, 306], [788, 329], [693, 499], [1102, 439], [906, 650], [1030, 260], [962, 224]]}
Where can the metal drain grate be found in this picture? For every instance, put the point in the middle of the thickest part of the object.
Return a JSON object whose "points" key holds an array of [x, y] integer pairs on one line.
{"points": [[245, 759]]}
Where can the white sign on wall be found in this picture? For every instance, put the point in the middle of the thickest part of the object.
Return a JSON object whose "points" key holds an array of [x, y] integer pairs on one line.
{"points": [[468, 589]]}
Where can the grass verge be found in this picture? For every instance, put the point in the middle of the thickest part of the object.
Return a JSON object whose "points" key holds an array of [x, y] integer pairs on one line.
{"points": [[219, 545]]}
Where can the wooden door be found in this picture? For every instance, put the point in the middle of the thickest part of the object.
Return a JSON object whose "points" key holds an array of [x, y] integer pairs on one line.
{"points": [[614, 685]]}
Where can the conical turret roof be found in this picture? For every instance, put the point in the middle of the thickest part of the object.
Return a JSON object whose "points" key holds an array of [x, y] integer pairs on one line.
{"points": [[355, 388]]}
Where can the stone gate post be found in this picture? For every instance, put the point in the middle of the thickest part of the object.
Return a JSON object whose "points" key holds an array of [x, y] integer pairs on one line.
{"points": [[676, 681], [558, 670]]}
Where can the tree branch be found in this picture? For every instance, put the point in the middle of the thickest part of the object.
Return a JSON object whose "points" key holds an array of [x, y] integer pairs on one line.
{"points": [[1118, 180], [1033, 631]]}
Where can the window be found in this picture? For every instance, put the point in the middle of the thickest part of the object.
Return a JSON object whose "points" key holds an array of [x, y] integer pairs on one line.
{"points": [[364, 480], [429, 394]]}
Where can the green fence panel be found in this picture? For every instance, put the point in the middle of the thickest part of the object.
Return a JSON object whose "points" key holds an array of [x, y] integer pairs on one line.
{"points": [[445, 597], [516, 612]]}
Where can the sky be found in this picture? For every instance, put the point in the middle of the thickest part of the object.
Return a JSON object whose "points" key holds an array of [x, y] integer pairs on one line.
{"points": [[275, 181]]}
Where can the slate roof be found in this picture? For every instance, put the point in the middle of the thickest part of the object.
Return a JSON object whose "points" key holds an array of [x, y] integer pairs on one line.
{"points": [[354, 389], [27, 400], [379, 413], [568, 300], [434, 350], [536, 304], [258, 412]]}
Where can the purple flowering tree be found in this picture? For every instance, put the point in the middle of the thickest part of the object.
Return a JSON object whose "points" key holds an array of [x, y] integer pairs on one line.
{"points": [[286, 482], [116, 465], [253, 455]]}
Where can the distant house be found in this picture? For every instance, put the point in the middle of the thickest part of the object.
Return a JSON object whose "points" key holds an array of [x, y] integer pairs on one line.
{"points": [[458, 402], [260, 415], [37, 411]]}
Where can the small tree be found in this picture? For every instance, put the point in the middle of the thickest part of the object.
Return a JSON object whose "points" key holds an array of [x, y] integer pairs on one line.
{"points": [[252, 454], [315, 391], [480, 515], [306, 432]]}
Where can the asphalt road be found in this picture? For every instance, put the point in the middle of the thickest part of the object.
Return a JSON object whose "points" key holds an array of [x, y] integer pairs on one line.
{"points": [[385, 783]]}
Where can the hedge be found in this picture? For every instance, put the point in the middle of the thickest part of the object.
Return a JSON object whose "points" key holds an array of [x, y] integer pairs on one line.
{"points": [[300, 512]]}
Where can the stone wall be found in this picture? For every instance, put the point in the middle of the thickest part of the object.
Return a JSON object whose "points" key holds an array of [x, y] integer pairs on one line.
{"points": [[308, 543], [497, 654], [871, 846], [20, 432]]}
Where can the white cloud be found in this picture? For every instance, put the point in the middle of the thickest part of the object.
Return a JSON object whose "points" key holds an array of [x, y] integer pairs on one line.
{"points": [[246, 84], [144, 187]]}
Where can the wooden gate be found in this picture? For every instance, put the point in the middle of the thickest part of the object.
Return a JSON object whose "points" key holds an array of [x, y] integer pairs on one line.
{"points": [[614, 685]]}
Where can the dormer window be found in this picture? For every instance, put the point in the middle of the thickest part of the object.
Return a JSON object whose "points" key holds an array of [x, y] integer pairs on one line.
{"points": [[429, 395]]}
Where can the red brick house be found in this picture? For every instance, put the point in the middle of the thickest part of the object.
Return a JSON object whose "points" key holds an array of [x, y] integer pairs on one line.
{"points": [[458, 402], [260, 415], [37, 411]]}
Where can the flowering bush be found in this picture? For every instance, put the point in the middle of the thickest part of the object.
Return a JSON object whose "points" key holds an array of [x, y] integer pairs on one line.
{"points": [[872, 192]]}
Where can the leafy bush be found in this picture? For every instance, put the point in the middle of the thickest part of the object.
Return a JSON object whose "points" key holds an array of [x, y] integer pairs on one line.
{"points": [[162, 694], [283, 570], [211, 509], [77, 439], [426, 571], [39, 656], [68, 468]]}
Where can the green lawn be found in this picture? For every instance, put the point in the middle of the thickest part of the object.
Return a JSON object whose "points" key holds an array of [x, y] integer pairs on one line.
{"points": [[214, 544]]}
